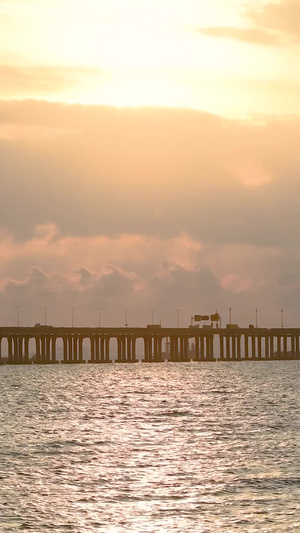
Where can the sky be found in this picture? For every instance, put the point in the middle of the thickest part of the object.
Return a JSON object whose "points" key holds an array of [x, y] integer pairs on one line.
{"points": [[149, 161]]}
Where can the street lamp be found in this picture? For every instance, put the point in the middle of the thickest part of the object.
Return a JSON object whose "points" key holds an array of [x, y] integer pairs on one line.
{"points": [[45, 315], [18, 307], [281, 313], [177, 313], [99, 315], [126, 317], [152, 315], [72, 311]]}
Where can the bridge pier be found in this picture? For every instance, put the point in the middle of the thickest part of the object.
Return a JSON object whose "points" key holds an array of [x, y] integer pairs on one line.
{"points": [[235, 344], [99, 349], [126, 349]]}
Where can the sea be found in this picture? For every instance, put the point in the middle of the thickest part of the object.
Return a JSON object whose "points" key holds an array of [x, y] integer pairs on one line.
{"points": [[163, 447]]}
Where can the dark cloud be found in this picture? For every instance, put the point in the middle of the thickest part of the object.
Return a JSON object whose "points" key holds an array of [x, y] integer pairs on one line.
{"points": [[172, 287]]}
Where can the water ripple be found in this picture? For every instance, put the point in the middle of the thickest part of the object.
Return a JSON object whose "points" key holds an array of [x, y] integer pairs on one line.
{"points": [[147, 448]]}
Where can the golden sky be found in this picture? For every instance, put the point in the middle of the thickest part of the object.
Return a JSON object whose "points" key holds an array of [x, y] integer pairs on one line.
{"points": [[235, 58], [149, 158]]}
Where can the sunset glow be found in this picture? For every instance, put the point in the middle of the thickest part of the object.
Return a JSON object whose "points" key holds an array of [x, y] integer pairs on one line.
{"points": [[149, 157], [189, 54]]}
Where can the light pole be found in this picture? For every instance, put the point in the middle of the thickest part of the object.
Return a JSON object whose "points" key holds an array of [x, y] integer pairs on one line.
{"points": [[229, 315], [99, 315], [72, 311], [45, 314], [18, 307], [126, 317], [281, 313], [152, 315], [256, 312]]}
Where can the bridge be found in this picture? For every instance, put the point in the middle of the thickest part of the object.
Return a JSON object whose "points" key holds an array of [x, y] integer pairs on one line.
{"points": [[180, 344]]}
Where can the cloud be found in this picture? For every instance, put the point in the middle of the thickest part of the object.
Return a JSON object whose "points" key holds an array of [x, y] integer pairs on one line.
{"points": [[248, 35], [40, 81], [146, 208], [135, 273], [275, 23], [283, 17], [153, 172]]}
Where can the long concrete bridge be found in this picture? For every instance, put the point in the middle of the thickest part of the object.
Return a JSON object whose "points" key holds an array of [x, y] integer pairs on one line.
{"points": [[38, 345]]}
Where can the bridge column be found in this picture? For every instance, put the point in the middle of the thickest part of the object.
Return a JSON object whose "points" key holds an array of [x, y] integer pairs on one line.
{"points": [[238, 346], [53, 349], [48, 349], [26, 350], [102, 348], [21, 342], [146, 350], [297, 346], [123, 344], [202, 348], [65, 349], [159, 348], [128, 349], [0, 350], [80, 349], [174, 348], [271, 346], [75, 349], [15, 349], [259, 346], [92, 348], [10, 349], [153, 341], [207, 341], [119, 342], [121, 349], [228, 351], [197, 348], [267, 347], [292, 346], [107, 341], [70, 349], [43, 349], [181, 348], [37, 349], [19, 351], [186, 348], [221, 339], [285, 348], [211, 348], [253, 342], [97, 348], [233, 344], [279, 354], [133, 349], [246, 344]]}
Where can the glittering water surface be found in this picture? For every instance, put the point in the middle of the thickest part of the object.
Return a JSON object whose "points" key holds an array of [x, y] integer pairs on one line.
{"points": [[211, 447]]}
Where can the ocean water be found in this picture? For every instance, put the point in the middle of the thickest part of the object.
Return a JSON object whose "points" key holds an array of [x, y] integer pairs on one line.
{"points": [[170, 447]]}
